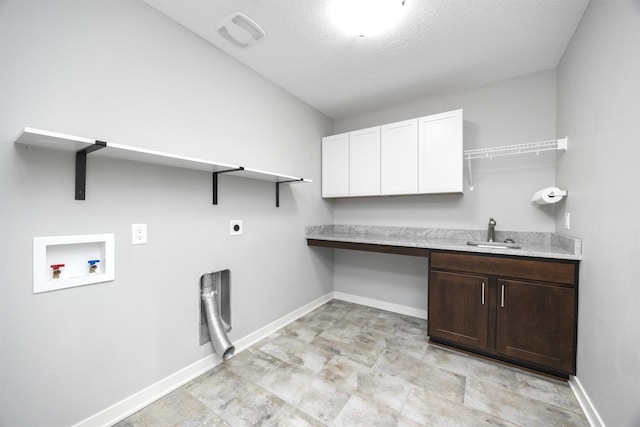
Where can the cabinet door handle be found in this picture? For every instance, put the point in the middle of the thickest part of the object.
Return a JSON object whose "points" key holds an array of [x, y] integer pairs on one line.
{"points": [[502, 296], [482, 293]]}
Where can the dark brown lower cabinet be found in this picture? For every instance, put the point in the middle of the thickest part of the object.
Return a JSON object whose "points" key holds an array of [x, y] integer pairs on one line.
{"points": [[519, 310], [536, 322], [460, 310]]}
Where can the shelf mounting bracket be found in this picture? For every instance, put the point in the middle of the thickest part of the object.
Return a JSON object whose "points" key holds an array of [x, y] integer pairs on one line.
{"points": [[81, 167], [470, 175], [278, 188], [215, 181]]}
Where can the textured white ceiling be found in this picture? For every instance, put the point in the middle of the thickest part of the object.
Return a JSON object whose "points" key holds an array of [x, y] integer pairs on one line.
{"points": [[439, 46]]}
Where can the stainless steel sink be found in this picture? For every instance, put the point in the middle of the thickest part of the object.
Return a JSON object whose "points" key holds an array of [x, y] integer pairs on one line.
{"points": [[493, 245]]}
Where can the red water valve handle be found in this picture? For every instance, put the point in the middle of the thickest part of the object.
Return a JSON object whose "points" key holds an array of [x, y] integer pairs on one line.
{"points": [[57, 266]]}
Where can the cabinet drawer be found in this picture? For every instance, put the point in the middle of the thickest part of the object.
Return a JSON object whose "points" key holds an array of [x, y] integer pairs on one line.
{"points": [[545, 271]]}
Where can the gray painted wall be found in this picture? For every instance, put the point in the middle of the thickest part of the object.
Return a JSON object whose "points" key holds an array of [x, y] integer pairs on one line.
{"points": [[514, 111], [122, 72], [599, 107]]}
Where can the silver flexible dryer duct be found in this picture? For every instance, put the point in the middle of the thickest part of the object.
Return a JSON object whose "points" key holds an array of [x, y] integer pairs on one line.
{"points": [[219, 340]]}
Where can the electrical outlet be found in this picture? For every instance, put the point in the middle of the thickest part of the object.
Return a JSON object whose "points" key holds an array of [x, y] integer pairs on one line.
{"points": [[138, 234], [235, 227]]}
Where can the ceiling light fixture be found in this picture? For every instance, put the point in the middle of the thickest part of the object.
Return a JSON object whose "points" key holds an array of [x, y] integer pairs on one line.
{"points": [[364, 18], [240, 30]]}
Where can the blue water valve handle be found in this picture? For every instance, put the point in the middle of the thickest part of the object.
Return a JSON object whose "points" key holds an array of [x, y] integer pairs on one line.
{"points": [[93, 265]]}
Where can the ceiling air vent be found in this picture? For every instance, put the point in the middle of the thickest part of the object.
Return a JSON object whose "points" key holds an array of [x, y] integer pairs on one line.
{"points": [[240, 30]]}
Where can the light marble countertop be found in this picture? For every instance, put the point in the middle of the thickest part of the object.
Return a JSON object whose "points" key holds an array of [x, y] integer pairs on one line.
{"points": [[533, 244]]}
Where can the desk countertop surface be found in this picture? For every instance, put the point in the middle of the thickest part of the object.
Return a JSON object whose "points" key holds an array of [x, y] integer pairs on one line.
{"points": [[533, 244]]}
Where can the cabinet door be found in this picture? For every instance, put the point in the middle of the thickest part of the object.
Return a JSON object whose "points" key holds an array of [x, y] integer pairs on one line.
{"points": [[399, 158], [536, 323], [364, 162], [335, 165], [440, 153], [458, 308]]}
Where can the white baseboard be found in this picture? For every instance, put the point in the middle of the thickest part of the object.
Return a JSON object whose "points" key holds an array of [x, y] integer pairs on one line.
{"points": [[382, 305], [139, 400], [251, 339], [134, 403], [585, 403]]}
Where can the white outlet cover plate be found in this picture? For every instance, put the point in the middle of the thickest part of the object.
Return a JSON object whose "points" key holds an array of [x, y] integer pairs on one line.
{"points": [[233, 224], [138, 234]]}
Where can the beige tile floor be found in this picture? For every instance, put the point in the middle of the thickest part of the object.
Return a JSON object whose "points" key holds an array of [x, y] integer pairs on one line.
{"points": [[348, 365]]}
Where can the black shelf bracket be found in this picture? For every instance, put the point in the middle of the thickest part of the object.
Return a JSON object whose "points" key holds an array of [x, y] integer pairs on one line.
{"points": [[278, 189], [81, 167], [215, 182]]}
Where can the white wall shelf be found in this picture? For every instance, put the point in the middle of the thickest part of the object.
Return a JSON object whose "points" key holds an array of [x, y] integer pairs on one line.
{"points": [[83, 146], [513, 150]]}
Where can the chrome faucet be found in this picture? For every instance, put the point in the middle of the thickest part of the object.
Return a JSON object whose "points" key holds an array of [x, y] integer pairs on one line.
{"points": [[492, 226]]}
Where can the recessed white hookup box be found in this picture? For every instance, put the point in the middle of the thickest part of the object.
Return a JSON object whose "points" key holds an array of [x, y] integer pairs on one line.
{"points": [[61, 262]]}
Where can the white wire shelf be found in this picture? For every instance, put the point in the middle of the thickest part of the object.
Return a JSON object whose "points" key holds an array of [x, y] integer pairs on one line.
{"points": [[513, 150]]}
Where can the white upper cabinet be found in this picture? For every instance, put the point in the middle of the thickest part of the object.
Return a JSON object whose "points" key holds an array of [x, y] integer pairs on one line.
{"points": [[335, 165], [440, 153], [364, 162], [417, 156], [399, 158]]}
